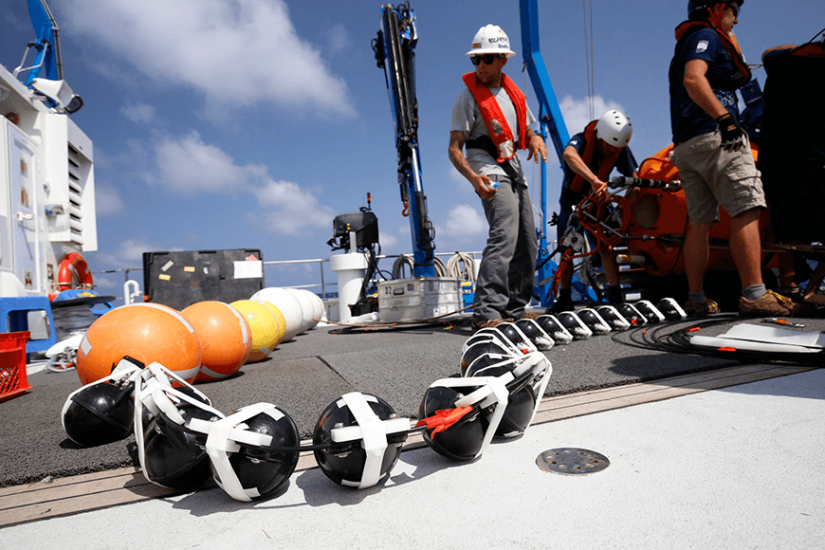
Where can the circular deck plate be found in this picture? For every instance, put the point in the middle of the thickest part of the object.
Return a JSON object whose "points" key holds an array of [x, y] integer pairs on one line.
{"points": [[572, 461]]}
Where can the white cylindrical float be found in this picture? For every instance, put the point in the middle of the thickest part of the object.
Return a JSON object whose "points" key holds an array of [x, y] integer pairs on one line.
{"points": [[307, 308], [316, 305], [350, 269], [320, 312]]}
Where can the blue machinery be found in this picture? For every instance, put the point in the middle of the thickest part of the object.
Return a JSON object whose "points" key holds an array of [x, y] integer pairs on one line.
{"points": [[394, 53], [46, 74], [552, 123], [47, 60]]}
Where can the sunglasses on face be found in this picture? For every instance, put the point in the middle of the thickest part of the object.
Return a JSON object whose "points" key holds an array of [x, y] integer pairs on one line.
{"points": [[735, 9], [488, 59]]}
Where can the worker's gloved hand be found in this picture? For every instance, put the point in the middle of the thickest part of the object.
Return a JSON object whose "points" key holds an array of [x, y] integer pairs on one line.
{"points": [[733, 137]]}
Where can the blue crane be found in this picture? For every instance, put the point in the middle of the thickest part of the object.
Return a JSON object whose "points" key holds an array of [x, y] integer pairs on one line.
{"points": [[45, 75], [395, 53], [552, 125]]}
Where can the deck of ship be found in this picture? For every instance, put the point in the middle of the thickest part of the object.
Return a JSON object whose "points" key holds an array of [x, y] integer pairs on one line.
{"points": [[704, 452]]}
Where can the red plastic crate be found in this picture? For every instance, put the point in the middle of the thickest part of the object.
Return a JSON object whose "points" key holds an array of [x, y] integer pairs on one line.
{"points": [[13, 381]]}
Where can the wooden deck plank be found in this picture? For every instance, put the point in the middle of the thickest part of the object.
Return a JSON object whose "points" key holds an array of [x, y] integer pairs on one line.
{"points": [[134, 482], [63, 481], [624, 396], [656, 385], [81, 503]]}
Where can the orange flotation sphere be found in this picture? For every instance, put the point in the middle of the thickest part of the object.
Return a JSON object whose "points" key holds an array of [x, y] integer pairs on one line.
{"points": [[147, 332], [225, 338], [264, 327]]}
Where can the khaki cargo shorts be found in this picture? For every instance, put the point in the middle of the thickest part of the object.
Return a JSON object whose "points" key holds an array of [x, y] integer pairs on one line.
{"points": [[712, 176]]}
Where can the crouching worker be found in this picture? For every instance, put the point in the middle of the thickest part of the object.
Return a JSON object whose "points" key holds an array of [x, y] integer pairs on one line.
{"points": [[589, 158]]}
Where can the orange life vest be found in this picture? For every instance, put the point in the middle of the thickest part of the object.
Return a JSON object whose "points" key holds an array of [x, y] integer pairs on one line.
{"points": [[497, 126], [743, 74], [608, 160], [815, 50]]}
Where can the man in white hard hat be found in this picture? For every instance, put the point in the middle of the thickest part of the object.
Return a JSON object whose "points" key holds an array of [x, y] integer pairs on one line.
{"points": [[589, 158], [490, 118]]}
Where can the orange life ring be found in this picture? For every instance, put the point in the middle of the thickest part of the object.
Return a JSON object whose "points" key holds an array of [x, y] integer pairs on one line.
{"points": [[74, 268]]}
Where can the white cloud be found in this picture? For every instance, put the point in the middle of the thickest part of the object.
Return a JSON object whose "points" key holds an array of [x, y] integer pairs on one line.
{"points": [[388, 241], [103, 282], [107, 201], [138, 112], [464, 222], [576, 112], [234, 52], [131, 250], [190, 166], [18, 23], [291, 210], [128, 254], [338, 38]]}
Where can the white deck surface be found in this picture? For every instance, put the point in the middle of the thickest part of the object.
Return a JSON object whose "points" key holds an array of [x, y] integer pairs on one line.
{"points": [[741, 467]]}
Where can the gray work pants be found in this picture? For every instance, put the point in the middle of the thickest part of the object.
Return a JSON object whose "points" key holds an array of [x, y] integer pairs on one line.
{"points": [[505, 278]]}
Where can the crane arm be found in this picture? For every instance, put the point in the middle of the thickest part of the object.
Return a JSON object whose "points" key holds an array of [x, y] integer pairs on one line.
{"points": [[552, 124], [45, 76], [395, 53]]}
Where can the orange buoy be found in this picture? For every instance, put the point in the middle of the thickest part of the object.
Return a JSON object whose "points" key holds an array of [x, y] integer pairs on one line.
{"points": [[147, 332], [264, 327], [224, 336]]}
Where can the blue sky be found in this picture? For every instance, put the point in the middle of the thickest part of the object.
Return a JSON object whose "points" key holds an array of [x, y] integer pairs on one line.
{"points": [[224, 124]]}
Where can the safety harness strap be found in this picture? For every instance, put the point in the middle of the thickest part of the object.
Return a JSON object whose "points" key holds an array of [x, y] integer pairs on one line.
{"points": [[486, 144]]}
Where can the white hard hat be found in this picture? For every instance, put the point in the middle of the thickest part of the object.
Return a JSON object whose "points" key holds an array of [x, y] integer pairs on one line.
{"points": [[491, 39], [615, 129]]}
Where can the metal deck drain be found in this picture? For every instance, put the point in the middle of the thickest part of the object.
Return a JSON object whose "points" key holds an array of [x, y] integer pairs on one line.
{"points": [[572, 461]]}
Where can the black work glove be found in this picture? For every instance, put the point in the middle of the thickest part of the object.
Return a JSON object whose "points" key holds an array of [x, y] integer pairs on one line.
{"points": [[733, 137]]}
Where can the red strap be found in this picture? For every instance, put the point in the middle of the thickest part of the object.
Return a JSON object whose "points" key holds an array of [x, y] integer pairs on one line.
{"points": [[444, 419]]}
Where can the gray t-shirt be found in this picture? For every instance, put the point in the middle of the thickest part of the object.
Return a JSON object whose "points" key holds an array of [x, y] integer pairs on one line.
{"points": [[466, 118]]}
